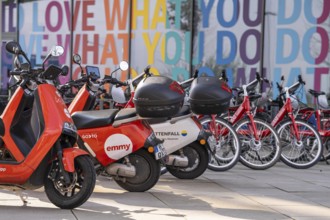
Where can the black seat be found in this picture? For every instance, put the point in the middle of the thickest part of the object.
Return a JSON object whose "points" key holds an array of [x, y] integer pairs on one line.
{"points": [[125, 113], [93, 119], [315, 93]]}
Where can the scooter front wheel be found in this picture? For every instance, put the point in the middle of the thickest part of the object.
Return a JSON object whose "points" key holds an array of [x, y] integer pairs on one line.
{"points": [[73, 194], [147, 172], [197, 162]]}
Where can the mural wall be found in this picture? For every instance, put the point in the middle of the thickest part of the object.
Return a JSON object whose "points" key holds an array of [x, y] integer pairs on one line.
{"points": [[7, 27], [176, 37]]}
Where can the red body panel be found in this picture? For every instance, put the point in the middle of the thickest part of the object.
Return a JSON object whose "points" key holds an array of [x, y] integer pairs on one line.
{"points": [[96, 138], [69, 154], [133, 134], [54, 116], [7, 117], [79, 100]]}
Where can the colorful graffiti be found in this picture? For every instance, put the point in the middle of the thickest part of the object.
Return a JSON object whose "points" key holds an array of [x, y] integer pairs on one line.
{"points": [[178, 36]]}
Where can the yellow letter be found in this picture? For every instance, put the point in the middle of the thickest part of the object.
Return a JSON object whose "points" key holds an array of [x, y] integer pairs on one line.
{"points": [[151, 46], [143, 12], [160, 7]]}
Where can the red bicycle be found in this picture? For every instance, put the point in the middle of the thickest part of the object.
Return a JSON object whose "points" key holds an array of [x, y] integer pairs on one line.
{"points": [[320, 117], [260, 142], [301, 143]]}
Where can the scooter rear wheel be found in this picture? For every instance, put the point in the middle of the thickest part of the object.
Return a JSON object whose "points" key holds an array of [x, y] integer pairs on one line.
{"points": [[198, 161], [147, 172], [74, 194]]}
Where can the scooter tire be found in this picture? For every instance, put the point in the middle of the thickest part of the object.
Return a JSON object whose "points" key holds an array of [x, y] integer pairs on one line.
{"points": [[147, 172], [83, 180], [193, 151]]}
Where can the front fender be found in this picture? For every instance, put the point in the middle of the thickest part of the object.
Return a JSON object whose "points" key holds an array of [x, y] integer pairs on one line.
{"points": [[69, 154]]}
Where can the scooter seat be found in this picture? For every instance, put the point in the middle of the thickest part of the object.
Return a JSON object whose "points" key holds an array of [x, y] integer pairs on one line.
{"points": [[94, 119], [125, 113]]}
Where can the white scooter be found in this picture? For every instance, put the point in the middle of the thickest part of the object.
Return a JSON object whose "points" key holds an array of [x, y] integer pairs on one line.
{"points": [[185, 141]]}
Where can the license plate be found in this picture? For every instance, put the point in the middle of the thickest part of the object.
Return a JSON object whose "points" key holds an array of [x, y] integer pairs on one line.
{"points": [[160, 151]]}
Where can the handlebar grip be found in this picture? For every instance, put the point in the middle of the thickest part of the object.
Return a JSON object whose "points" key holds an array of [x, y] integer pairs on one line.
{"points": [[114, 81], [19, 72], [258, 76], [301, 80], [119, 83], [77, 81], [15, 73], [266, 80], [147, 70], [195, 74], [224, 75]]}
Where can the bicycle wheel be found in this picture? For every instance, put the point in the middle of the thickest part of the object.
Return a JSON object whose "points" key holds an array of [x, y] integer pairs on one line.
{"points": [[224, 144], [258, 154], [300, 154]]}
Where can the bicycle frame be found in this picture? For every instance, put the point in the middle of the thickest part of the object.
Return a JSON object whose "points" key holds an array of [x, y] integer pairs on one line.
{"points": [[286, 110], [245, 108], [307, 113]]}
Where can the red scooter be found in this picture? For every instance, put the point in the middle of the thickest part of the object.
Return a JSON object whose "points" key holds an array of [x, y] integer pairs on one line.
{"points": [[122, 144], [38, 138]]}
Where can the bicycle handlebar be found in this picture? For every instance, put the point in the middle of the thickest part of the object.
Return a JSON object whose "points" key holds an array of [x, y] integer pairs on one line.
{"points": [[294, 87]]}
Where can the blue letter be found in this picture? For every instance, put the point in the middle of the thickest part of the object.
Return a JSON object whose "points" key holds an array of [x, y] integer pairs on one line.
{"points": [[280, 48], [220, 14], [281, 19], [35, 12], [174, 49], [233, 47], [206, 9]]}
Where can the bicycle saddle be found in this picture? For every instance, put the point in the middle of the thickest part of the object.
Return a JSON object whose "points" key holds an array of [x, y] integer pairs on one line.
{"points": [[316, 93]]}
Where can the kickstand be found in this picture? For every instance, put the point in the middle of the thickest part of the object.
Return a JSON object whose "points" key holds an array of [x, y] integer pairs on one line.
{"points": [[22, 196]]}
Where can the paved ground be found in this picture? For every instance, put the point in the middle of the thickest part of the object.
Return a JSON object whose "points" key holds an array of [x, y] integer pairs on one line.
{"points": [[278, 193]]}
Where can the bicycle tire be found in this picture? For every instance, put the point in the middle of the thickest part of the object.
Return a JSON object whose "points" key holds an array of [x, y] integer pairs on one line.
{"points": [[224, 153], [300, 155], [262, 154]]}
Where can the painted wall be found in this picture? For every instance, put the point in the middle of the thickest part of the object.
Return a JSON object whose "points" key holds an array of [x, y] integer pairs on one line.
{"points": [[177, 37]]}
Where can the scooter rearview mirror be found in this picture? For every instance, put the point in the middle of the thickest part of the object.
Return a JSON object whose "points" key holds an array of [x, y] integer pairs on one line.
{"points": [[13, 47], [57, 51], [123, 65], [76, 59]]}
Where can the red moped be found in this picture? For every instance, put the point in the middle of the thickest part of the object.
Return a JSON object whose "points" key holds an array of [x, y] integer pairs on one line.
{"points": [[123, 145], [38, 138]]}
